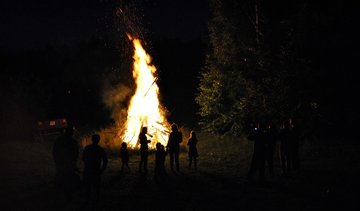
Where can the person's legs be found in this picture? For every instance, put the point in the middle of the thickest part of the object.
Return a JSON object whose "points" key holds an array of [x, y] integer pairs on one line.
{"points": [[127, 164], [195, 165], [261, 166], [71, 184], [253, 167], [145, 162], [283, 162], [171, 154], [177, 160], [141, 162], [270, 161], [190, 161], [289, 162], [122, 164], [97, 186]]}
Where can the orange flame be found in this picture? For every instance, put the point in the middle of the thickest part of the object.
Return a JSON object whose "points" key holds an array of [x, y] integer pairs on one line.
{"points": [[144, 108]]}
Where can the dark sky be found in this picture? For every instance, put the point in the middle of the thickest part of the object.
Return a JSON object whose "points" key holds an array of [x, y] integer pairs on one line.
{"points": [[38, 23]]}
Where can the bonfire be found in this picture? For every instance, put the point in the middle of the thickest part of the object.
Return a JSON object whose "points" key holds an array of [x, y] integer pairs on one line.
{"points": [[144, 108]]}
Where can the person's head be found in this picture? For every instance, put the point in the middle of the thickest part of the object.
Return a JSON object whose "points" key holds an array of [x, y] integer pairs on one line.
{"points": [[270, 124], [95, 138], [69, 131], [123, 145], [291, 122], [158, 146], [174, 127], [144, 130]]}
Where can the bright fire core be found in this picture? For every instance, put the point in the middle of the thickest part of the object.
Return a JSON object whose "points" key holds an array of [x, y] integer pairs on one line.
{"points": [[145, 109]]}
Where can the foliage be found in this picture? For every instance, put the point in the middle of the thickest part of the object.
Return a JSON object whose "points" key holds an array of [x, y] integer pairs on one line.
{"points": [[248, 76]]}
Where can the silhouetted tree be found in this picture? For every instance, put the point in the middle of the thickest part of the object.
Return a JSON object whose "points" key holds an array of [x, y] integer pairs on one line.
{"points": [[252, 70]]}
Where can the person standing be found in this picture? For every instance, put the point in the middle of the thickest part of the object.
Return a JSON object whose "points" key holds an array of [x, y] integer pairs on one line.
{"points": [[95, 162], [193, 153], [160, 156], [144, 150], [173, 146], [65, 154], [288, 148], [124, 154], [271, 136], [258, 159], [294, 145]]}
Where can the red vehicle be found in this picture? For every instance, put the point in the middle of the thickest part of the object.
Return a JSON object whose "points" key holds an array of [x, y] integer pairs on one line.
{"points": [[51, 127]]}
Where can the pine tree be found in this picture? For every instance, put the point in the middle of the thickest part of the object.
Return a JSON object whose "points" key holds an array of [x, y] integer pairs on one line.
{"points": [[251, 73]]}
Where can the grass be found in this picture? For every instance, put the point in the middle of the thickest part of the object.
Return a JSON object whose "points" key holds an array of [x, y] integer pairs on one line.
{"points": [[328, 179]]}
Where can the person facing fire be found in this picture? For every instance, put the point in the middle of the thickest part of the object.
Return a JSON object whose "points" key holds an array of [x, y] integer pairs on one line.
{"points": [[173, 146], [257, 134], [288, 147], [160, 156], [124, 154], [144, 150], [65, 155], [193, 153], [95, 162], [271, 136]]}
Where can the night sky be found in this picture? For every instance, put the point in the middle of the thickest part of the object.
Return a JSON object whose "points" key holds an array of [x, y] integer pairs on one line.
{"points": [[35, 24], [40, 39]]}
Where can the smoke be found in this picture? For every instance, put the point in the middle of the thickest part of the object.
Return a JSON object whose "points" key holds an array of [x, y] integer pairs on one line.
{"points": [[116, 99], [117, 86]]}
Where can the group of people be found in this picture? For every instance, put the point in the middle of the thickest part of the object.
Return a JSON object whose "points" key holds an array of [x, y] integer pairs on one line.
{"points": [[172, 149], [66, 153], [266, 136]]}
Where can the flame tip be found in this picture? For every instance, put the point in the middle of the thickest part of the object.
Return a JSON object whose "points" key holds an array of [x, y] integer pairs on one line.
{"points": [[129, 36]]}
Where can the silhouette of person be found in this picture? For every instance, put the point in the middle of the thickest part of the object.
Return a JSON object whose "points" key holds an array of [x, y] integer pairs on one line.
{"points": [[124, 154], [65, 155], [258, 159], [193, 153], [160, 156], [144, 149], [173, 146], [163, 157], [286, 137], [95, 162], [294, 145], [271, 136]]}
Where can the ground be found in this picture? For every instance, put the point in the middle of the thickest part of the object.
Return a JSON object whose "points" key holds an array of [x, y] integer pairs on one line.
{"points": [[328, 179]]}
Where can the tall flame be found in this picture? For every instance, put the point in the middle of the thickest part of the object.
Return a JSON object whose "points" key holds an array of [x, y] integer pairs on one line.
{"points": [[144, 109]]}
